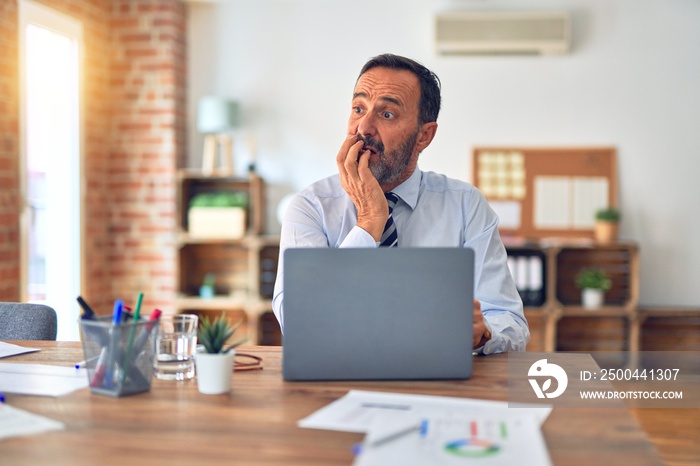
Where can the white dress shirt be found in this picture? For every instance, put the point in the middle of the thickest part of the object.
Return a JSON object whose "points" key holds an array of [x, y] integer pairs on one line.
{"points": [[432, 211]]}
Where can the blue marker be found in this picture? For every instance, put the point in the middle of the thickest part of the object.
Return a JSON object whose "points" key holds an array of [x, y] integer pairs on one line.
{"points": [[118, 308], [2, 398], [113, 343]]}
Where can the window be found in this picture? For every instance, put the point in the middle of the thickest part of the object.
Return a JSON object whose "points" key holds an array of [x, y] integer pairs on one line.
{"points": [[50, 50]]}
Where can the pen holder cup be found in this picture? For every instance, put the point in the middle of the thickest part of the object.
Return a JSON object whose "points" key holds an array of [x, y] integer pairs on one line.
{"points": [[119, 357]]}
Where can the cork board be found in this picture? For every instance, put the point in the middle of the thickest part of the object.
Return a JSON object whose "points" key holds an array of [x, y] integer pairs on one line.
{"points": [[546, 192]]}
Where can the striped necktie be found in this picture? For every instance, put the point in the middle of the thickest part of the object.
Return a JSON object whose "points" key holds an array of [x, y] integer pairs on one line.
{"points": [[390, 237]]}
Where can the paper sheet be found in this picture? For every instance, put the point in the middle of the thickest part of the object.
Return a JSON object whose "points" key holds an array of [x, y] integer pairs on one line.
{"points": [[569, 202], [590, 194], [359, 410], [435, 430], [458, 438], [7, 350], [39, 379], [16, 422], [552, 202]]}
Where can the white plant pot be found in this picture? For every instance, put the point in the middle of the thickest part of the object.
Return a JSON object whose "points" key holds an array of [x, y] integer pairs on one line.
{"points": [[217, 222], [214, 372], [592, 298]]}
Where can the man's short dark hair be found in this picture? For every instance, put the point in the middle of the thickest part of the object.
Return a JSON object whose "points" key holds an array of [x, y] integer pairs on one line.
{"points": [[429, 105]]}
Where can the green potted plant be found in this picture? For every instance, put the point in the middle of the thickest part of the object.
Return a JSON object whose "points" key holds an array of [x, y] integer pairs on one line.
{"points": [[214, 363], [593, 284], [607, 222], [218, 215]]}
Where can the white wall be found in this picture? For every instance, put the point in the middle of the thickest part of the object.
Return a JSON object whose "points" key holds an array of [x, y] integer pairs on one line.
{"points": [[631, 81]]}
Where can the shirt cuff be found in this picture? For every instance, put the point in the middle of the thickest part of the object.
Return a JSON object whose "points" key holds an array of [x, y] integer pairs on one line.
{"points": [[358, 238]]}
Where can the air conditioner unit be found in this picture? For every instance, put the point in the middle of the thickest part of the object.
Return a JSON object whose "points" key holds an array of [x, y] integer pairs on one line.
{"points": [[503, 33]]}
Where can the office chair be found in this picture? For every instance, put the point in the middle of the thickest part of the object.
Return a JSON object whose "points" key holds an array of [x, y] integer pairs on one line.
{"points": [[26, 321]]}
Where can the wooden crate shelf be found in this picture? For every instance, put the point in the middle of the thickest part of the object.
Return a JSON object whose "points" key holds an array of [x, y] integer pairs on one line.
{"points": [[560, 323], [242, 267]]}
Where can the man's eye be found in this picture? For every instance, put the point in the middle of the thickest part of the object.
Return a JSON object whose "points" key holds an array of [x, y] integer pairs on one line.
{"points": [[387, 115], [357, 110]]}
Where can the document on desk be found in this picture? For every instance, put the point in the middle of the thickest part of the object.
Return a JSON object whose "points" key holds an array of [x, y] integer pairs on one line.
{"points": [[359, 410], [7, 350], [42, 380], [459, 438], [423, 429], [15, 422]]}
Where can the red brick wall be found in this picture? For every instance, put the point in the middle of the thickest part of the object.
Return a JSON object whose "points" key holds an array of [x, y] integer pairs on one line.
{"points": [[134, 130], [147, 79], [9, 147]]}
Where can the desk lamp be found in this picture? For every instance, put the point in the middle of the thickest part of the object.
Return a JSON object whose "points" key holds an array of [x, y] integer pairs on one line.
{"points": [[215, 117]]}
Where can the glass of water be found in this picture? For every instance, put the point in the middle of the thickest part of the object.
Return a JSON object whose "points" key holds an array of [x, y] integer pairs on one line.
{"points": [[175, 347]]}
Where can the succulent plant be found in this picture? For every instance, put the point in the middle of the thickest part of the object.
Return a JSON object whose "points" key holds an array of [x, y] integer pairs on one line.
{"points": [[214, 334]]}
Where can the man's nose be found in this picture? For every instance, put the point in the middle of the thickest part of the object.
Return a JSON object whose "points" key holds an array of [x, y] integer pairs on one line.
{"points": [[366, 126]]}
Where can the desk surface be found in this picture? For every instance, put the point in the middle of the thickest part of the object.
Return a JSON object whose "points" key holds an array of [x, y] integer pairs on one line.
{"points": [[256, 422]]}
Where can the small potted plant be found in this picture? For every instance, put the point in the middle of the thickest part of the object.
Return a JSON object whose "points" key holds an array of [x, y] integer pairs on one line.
{"points": [[215, 362], [607, 222], [218, 215], [593, 284], [206, 291]]}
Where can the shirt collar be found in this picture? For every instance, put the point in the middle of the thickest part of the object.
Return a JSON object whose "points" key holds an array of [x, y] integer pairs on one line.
{"points": [[409, 189]]}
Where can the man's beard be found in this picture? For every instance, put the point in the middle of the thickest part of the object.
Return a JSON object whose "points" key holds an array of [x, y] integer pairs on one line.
{"points": [[389, 167]]}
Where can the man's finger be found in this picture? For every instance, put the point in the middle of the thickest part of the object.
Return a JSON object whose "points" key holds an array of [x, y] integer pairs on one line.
{"points": [[350, 140], [351, 157], [346, 148], [350, 143], [363, 166]]}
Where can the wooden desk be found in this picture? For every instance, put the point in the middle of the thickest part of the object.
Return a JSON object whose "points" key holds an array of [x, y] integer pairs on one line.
{"points": [[256, 422]]}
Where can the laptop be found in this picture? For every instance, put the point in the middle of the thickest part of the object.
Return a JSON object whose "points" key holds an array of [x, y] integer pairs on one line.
{"points": [[378, 314]]}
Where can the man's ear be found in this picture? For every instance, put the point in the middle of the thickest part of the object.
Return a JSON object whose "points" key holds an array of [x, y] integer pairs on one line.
{"points": [[425, 135]]}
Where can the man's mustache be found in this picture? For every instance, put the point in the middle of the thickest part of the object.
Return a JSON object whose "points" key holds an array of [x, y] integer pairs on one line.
{"points": [[370, 142]]}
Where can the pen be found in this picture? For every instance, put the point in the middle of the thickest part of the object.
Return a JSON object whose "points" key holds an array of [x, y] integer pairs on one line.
{"points": [[155, 315], [135, 319], [394, 436], [82, 364], [152, 319], [88, 313], [133, 371], [118, 309], [2, 398], [137, 311], [99, 374], [126, 314], [111, 360], [422, 427]]}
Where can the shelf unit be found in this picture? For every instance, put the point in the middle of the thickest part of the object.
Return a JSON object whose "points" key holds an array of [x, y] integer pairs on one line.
{"points": [[616, 320], [243, 268]]}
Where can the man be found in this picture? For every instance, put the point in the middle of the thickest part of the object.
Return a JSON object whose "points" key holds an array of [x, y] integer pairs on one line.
{"points": [[395, 106]]}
